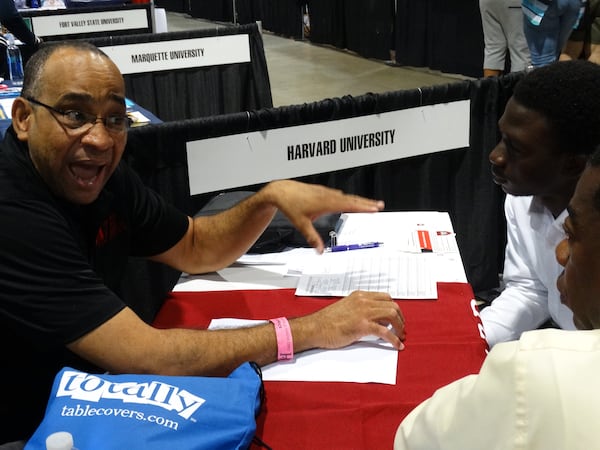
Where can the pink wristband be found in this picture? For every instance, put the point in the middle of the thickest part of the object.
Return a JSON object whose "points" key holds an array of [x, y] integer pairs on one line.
{"points": [[285, 342]]}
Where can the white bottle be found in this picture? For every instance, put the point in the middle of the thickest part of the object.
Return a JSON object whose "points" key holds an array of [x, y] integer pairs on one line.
{"points": [[14, 61], [61, 440]]}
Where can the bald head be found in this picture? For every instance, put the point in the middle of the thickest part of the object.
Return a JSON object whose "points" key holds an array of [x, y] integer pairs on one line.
{"points": [[34, 70]]}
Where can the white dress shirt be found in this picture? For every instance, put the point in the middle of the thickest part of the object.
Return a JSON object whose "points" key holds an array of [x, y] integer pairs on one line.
{"points": [[530, 296]]}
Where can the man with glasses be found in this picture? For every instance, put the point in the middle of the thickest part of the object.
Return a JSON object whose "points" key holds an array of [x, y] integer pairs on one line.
{"points": [[72, 212]]}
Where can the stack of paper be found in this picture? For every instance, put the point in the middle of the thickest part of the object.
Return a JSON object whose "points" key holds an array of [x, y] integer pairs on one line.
{"points": [[414, 251]]}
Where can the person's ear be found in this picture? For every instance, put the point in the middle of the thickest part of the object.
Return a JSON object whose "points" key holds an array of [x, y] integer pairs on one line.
{"points": [[22, 115], [574, 165]]}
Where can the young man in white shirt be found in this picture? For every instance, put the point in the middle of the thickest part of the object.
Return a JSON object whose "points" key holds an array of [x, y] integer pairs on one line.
{"points": [[550, 126]]}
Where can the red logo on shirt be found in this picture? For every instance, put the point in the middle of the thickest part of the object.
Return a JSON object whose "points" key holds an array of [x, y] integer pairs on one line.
{"points": [[109, 229]]}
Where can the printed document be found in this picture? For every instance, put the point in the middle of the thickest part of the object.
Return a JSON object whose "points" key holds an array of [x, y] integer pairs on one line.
{"points": [[414, 251], [400, 274]]}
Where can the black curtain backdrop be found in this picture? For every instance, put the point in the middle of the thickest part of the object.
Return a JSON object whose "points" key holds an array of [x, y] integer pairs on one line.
{"points": [[282, 17], [369, 26], [441, 35], [200, 91], [217, 10], [248, 11], [327, 24], [458, 181], [182, 6], [438, 34], [361, 26]]}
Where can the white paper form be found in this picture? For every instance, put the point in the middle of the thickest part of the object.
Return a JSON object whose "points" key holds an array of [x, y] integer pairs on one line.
{"points": [[403, 275], [418, 250], [362, 362], [265, 271], [407, 231]]}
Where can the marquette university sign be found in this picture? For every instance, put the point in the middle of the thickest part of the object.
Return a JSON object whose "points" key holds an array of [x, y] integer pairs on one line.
{"points": [[180, 54], [325, 147]]}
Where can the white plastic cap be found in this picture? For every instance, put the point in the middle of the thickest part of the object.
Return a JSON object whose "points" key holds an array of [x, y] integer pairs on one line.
{"points": [[61, 440]]}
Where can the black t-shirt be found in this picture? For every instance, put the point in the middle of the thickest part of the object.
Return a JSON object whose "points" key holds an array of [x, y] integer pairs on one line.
{"points": [[60, 266]]}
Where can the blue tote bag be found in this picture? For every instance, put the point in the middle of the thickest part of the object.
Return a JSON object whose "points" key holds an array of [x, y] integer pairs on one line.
{"points": [[153, 412]]}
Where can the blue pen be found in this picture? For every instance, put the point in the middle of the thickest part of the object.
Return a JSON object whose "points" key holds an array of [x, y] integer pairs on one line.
{"points": [[343, 248]]}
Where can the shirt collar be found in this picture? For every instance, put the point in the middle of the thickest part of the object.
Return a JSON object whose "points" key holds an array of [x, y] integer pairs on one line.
{"points": [[544, 222]]}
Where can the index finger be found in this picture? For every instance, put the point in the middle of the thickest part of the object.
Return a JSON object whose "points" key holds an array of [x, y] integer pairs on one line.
{"points": [[355, 203]]}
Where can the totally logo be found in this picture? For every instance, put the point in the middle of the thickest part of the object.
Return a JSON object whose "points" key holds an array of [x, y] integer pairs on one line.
{"points": [[91, 388]]}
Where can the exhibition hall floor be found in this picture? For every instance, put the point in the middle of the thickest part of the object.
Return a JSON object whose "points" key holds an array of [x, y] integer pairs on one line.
{"points": [[302, 72]]}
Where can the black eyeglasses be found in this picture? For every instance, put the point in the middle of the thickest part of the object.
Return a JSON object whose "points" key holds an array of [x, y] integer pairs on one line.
{"points": [[79, 122]]}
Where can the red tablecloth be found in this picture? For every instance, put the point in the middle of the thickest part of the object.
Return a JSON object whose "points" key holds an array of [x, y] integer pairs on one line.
{"points": [[443, 343]]}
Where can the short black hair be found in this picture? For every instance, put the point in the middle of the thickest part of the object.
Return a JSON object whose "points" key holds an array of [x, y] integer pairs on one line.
{"points": [[36, 63], [567, 93]]}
